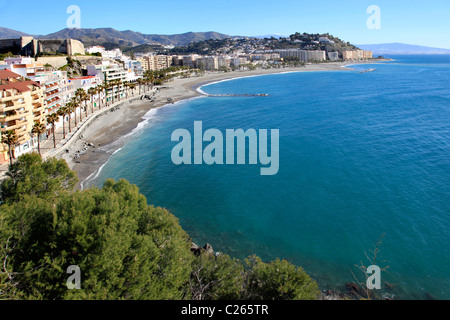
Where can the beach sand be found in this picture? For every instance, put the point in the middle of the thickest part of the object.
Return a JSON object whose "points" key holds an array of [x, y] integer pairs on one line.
{"points": [[109, 127]]}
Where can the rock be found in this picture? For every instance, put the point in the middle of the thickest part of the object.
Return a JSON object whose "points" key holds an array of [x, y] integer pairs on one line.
{"points": [[209, 249], [330, 295], [352, 287], [196, 249]]}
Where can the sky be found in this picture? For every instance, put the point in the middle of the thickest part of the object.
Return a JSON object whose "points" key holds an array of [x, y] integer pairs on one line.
{"points": [[413, 22]]}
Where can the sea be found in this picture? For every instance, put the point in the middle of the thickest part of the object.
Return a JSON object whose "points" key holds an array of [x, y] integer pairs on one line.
{"points": [[364, 173]]}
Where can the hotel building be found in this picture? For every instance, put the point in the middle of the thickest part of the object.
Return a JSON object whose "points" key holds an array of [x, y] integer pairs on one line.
{"points": [[21, 105], [57, 89], [109, 72]]}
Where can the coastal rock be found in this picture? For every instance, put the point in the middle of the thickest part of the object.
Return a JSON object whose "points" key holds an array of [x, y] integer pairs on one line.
{"points": [[331, 295], [352, 287], [209, 249], [196, 249]]}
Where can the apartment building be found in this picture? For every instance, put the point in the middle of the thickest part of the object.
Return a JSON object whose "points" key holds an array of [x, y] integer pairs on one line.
{"points": [[109, 72], [303, 55], [314, 55], [333, 56], [156, 62], [21, 105], [357, 55], [57, 89], [208, 63], [190, 60]]}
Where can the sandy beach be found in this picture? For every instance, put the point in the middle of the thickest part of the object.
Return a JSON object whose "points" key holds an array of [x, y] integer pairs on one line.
{"points": [[108, 128]]}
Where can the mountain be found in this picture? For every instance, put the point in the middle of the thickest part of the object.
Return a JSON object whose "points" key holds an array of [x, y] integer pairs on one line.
{"points": [[110, 37], [401, 48], [6, 33]]}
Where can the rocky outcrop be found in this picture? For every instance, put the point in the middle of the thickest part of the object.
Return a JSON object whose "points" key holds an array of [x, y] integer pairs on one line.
{"points": [[207, 249]]}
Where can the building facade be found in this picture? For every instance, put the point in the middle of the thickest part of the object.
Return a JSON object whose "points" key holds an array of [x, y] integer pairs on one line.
{"points": [[21, 105]]}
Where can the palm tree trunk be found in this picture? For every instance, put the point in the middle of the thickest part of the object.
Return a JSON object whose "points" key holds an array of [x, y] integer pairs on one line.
{"points": [[10, 155], [54, 135]]}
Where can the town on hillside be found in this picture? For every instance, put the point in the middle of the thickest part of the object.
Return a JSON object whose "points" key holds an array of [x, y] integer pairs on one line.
{"points": [[46, 83]]}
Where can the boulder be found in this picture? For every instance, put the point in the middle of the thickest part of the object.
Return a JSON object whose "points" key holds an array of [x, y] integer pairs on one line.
{"points": [[209, 249]]}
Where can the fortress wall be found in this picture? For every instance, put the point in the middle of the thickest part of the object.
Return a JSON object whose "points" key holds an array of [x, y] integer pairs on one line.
{"points": [[10, 45], [75, 47], [56, 62]]}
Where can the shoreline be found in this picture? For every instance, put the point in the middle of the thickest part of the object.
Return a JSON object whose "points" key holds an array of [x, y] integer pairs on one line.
{"points": [[108, 133]]}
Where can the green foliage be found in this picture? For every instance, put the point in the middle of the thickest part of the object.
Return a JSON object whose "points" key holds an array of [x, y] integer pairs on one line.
{"points": [[216, 278], [32, 176], [5, 55], [124, 248], [278, 280]]}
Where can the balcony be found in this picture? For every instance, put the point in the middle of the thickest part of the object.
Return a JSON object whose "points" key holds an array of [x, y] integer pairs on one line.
{"points": [[13, 116], [19, 126], [12, 97], [13, 106]]}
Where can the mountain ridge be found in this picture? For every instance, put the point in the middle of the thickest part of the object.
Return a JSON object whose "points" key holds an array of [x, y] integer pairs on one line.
{"points": [[112, 38]]}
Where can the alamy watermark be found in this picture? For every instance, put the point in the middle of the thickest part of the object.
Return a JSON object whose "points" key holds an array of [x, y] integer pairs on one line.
{"points": [[74, 20], [374, 21], [235, 142], [74, 281], [374, 279]]}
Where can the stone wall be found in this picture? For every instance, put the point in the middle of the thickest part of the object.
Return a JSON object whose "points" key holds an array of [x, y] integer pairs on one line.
{"points": [[56, 62], [27, 46], [10, 45]]}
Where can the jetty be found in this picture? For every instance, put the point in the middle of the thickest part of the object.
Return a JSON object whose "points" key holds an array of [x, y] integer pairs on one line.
{"points": [[368, 70], [237, 95]]}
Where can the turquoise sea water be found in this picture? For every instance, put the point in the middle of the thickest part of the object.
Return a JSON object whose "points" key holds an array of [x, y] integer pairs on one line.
{"points": [[361, 155]]}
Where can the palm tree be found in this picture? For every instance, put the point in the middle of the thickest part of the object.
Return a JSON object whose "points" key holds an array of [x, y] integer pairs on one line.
{"points": [[38, 129], [98, 91], [75, 102], [52, 119], [140, 81], [72, 108], [85, 97], [119, 84], [126, 86], [79, 95], [132, 87], [62, 113], [10, 138], [92, 92]]}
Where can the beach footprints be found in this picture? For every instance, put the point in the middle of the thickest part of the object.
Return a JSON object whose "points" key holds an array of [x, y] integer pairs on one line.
{"points": [[83, 151]]}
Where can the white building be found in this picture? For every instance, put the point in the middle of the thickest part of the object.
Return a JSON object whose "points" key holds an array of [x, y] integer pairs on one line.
{"points": [[112, 54], [95, 49], [108, 73]]}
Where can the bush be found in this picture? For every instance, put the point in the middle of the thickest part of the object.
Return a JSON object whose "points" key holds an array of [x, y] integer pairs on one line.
{"points": [[278, 280]]}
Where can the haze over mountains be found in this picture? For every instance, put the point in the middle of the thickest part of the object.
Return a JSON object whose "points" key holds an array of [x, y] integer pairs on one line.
{"points": [[401, 48]]}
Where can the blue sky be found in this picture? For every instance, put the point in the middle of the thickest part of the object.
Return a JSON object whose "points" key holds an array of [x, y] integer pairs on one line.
{"points": [[414, 22]]}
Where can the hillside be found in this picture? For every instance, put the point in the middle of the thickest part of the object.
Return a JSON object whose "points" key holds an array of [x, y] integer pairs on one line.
{"points": [[6, 33], [111, 38]]}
